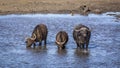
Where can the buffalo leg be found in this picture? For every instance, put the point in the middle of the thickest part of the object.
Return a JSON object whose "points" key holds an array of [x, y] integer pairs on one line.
{"points": [[83, 46], [88, 38], [44, 42], [40, 43], [34, 45], [59, 47], [78, 45], [87, 46], [63, 47]]}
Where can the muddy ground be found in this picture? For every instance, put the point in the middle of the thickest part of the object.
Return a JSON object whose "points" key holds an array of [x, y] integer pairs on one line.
{"points": [[57, 6]]}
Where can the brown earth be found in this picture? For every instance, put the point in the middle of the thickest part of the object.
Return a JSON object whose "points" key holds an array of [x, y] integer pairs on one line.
{"points": [[57, 6]]}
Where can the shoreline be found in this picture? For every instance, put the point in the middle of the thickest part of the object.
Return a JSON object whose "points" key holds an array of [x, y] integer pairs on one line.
{"points": [[41, 12], [23, 13]]}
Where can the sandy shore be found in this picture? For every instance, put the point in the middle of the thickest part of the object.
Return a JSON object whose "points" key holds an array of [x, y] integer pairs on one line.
{"points": [[57, 6]]}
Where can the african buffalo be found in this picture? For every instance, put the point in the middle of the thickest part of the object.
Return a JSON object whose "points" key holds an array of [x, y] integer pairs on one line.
{"points": [[81, 35], [38, 35], [61, 39]]}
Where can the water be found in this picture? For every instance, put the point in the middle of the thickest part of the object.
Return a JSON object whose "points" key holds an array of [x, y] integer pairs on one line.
{"points": [[104, 47]]}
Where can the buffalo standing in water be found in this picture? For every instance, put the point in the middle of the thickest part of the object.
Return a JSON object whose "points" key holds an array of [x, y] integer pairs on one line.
{"points": [[81, 35], [61, 39], [38, 35]]}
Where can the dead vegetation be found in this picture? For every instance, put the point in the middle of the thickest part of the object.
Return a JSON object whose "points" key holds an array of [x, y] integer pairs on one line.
{"points": [[56, 6]]}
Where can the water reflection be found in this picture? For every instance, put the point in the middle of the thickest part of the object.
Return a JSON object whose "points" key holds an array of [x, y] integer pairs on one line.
{"points": [[42, 47], [62, 52], [82, 52], [37, 48]]}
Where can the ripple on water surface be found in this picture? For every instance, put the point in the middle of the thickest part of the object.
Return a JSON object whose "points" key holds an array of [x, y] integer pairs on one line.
{"points": [[103, 50]]}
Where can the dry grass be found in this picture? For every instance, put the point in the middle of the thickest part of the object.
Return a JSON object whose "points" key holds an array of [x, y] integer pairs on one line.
{"points": [[55, 6]]}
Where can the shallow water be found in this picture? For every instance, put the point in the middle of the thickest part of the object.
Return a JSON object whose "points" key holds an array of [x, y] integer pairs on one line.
{"points": [[103, 52]]}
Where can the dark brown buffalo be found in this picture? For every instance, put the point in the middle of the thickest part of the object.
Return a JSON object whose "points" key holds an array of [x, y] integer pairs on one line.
{"points": [[61, 39], [81, 35], [38, 35]]}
